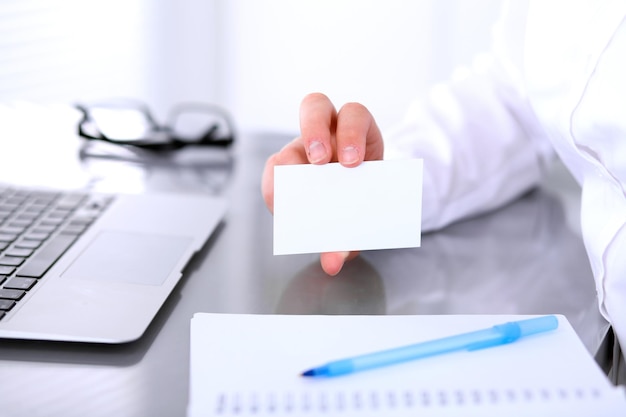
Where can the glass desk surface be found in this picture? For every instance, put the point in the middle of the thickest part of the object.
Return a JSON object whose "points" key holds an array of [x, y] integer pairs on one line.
{"points": [[525, 258]]}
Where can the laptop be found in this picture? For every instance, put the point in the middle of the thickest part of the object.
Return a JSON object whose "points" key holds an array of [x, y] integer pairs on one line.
{"points": [[86, 267]]}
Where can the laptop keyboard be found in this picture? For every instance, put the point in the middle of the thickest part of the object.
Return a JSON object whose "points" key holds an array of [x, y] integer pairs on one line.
{"points": [[36, 228]]}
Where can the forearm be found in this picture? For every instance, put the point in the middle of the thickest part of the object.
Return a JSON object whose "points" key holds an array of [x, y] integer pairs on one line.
{"points": [[481, 145]]}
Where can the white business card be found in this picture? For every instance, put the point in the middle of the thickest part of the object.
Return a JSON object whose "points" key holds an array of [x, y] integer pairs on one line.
{"points": [[331, 208]]}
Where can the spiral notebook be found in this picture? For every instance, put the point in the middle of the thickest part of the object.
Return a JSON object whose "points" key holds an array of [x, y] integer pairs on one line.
{"points": [[250, 365]]}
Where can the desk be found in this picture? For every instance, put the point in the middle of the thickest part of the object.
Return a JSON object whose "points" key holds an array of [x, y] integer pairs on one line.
{"points": [[527, 258]]}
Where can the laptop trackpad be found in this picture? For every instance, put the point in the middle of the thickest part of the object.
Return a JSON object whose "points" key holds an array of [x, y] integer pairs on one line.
{"points": [[129, 257]]}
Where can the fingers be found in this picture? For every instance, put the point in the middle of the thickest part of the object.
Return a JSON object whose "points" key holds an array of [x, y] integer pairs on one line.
{"points": [[332, 262], [317, 125], [357, 136], [349, 136]]}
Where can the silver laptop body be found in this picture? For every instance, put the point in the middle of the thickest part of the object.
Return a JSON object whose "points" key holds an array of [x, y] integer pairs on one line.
{"points": [[108, 286]]}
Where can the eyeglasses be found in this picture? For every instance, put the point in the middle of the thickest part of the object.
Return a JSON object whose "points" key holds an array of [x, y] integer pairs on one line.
{"points": [[131, 124]]}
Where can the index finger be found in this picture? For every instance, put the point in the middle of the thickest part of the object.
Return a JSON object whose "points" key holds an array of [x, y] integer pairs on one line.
{"points": [[318, 119]]}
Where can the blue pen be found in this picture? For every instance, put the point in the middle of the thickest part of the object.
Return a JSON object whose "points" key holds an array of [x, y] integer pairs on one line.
{"points": [[497, 335]]}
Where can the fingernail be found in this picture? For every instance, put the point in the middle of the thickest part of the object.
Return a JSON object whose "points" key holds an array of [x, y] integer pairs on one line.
{"points": [[349, 155], [317, 152], [345, 255]]}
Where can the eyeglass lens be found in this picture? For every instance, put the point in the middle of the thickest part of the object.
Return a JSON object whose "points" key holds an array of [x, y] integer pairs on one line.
{"points": [[126, 124], [192, 125]]}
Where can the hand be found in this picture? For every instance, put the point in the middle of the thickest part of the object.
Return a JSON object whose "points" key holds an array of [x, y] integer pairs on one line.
{"points": [[349, 137]]}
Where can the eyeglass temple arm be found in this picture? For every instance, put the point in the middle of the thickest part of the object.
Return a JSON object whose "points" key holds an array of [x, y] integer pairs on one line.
{"points": [[83, 121]]}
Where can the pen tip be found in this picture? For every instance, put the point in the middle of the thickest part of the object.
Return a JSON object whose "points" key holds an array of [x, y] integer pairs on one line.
{"points": [[310, 372]]}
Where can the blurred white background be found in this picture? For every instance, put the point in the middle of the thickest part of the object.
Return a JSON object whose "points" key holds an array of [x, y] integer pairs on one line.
{"points": [[257, 58]]}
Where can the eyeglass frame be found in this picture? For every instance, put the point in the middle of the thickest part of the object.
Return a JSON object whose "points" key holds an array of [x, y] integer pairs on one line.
{"points": [[173, 142]]}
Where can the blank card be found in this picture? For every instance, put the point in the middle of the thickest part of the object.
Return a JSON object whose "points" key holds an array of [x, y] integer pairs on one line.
{"points": [[330, 208]]}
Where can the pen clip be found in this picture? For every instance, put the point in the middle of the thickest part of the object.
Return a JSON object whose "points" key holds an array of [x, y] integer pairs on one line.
{"points": [[505, 333]]}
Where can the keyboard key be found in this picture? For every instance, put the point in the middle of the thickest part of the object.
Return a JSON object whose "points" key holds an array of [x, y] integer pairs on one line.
{"points": [[43, 228], [81, 220], [6, 270], [35, 209], [19, 192], [11, 294], [13, 230], [27, 216], [21, 252], [20, 223], [19, 200], [6, 305], [36, 236], [11, 261], [70, 201], [47, 221], [57, 214], [27, 244], [7, 208], [20, 283], [43, 197], [73, 229], [37, 265], [7, 237]]}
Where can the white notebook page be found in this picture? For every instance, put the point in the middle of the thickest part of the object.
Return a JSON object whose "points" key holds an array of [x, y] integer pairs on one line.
{"points": [[251, 365]]}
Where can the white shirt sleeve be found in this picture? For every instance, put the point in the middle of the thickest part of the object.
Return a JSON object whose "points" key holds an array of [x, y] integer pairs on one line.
{"points": [[481, 143]]}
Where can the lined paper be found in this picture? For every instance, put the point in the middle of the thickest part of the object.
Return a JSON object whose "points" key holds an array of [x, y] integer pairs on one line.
{"points": [[251, 364]]}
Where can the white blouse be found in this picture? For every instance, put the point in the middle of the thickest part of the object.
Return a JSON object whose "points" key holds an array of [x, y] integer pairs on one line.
{"points": [[553, 84]]}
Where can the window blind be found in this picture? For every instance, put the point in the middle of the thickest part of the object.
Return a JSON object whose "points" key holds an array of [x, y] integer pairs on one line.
{"points": [[65, 50]]}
